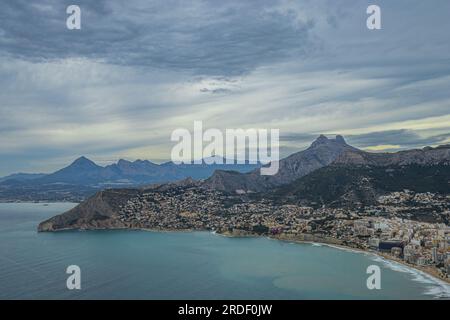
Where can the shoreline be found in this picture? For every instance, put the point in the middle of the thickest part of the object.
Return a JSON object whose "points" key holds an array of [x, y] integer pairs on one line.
{"points": [[335, 243], [328, 241], [38, 201], [424, 270], [428, 271]]}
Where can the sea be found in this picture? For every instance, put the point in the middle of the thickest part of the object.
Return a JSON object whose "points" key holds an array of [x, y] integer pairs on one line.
{"points": [[122, 264]]}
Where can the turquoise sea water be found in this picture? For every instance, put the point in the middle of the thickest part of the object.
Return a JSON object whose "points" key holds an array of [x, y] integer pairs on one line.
{"points": [[199, 265]]}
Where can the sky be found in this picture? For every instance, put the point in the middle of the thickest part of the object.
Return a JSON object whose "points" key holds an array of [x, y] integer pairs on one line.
{"points": [[139, 69]]}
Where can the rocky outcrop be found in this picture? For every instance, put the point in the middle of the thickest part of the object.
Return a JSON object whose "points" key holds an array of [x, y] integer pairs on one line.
{"points": [[425, 157], [98, 212], [235, 182], [322, 152], [357, 186]]}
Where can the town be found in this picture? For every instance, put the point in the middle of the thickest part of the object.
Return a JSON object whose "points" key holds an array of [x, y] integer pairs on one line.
{"points": [[411, 228]]}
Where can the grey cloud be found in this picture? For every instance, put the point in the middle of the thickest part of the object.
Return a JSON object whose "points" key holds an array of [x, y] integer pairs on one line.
{"points": [[403, 138], [298, 137], [219, 90], [205, 37], [306, 65]]}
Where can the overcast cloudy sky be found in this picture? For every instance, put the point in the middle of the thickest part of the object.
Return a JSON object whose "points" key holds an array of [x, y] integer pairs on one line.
{"points": [[139, 69]]}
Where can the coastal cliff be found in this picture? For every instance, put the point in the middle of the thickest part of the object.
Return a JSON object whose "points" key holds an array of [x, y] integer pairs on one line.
{"points": [[98, 212]]}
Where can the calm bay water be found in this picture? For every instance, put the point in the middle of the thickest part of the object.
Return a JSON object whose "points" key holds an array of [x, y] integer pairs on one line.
{"points": [[199, 265]]}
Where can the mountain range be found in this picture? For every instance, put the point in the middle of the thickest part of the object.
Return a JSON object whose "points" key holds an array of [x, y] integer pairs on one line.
{"points": [[22, 176], [85, 172], [330, 173], [322, 152], [84, 177]]}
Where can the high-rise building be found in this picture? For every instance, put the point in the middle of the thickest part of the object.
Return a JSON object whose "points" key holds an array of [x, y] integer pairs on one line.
{"points": [[434, 255]]}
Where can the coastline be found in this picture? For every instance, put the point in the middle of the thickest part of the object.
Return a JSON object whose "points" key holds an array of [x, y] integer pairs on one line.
{"points": [[330, 242], [428, 271], [39, 201]]}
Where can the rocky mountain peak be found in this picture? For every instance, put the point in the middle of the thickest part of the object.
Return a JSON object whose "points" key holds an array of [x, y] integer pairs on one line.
{"points": [[83, 162], [123, 163], [340, 139], [323, 140]]}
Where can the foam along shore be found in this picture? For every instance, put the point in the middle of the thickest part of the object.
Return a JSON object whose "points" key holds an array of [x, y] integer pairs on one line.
{"points": [[439, 288]]}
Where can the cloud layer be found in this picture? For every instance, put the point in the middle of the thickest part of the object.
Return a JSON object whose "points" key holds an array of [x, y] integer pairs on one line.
{"points": [[138, 70]]}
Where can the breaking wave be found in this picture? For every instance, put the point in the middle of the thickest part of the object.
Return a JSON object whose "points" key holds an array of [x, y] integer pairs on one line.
{"points": [[434, 286]]}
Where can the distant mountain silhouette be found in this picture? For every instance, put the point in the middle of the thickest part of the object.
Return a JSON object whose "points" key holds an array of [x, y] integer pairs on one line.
{"points": [[22, 176], [328, 171], [81, 171], [85, 172]]}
